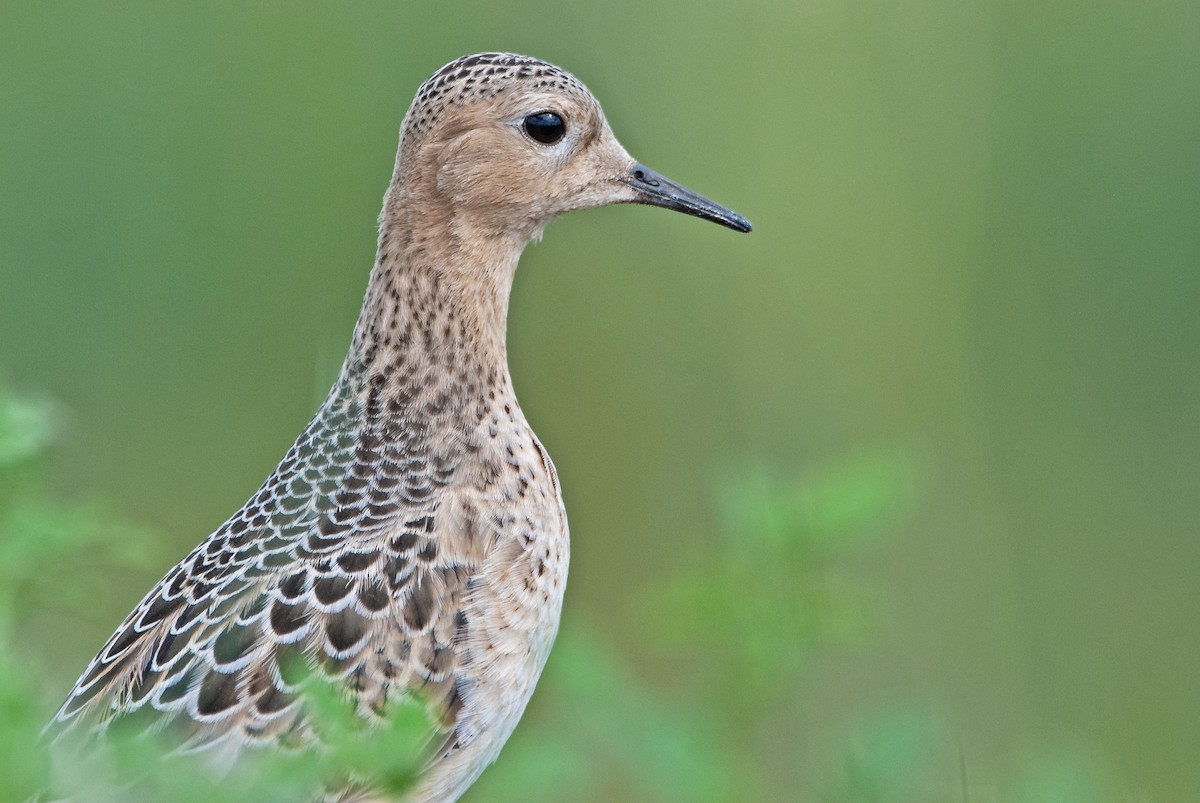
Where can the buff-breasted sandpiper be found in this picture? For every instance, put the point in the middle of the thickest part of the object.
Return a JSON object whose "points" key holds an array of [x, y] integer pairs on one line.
{"points": [[413, 537]]}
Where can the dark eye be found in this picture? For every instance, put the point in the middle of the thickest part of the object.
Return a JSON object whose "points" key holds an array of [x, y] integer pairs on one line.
{"points": [[545, 127]]}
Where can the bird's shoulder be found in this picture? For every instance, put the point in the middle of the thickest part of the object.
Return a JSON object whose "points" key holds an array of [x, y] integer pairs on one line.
{"points": [[352, 561]]}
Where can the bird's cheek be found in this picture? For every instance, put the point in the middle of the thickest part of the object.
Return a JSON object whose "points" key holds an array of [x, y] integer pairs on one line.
{"points": [[467, 168], [599, 192]]}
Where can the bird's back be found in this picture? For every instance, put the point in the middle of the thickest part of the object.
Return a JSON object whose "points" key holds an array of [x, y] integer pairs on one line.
{"points": [[405, 545]]}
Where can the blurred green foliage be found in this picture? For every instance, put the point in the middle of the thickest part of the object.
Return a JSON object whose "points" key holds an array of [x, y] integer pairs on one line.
{"points": [[131, 764], [750, 615]]}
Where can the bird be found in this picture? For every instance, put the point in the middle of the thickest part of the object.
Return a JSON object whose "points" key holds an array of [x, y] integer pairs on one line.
{"points": [[413, 540]]}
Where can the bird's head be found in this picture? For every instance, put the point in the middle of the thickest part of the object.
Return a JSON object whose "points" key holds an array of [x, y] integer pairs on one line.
{"points": [[511, 142]]}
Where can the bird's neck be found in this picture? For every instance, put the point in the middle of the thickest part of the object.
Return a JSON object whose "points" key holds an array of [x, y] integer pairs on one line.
{"points": [[436, 305]]}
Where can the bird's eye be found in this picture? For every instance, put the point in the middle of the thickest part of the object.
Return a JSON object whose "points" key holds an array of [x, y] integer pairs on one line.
{"points": [[545, 127]]}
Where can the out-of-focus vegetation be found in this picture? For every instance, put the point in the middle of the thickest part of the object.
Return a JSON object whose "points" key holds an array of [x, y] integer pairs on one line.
{"points": [[975, 246], [747, 618]]}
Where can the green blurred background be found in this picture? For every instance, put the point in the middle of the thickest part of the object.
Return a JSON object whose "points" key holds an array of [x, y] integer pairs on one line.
{"points": [[976, 257]]}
